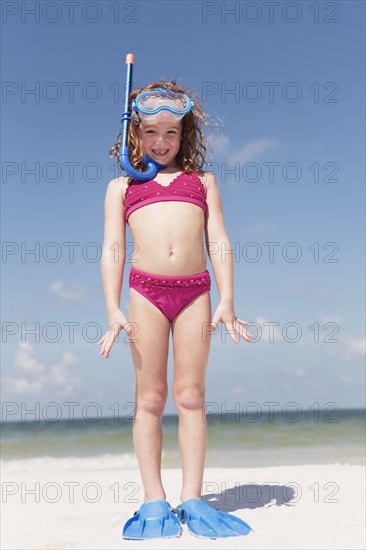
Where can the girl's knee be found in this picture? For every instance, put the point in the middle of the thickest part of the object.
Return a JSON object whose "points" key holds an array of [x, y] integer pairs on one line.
{"points": [[189, 398], [152, 401]]}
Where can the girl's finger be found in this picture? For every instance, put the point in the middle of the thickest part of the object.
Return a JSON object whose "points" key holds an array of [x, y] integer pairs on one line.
{"points": [[233, 332], [242, 332], [241, 321]]}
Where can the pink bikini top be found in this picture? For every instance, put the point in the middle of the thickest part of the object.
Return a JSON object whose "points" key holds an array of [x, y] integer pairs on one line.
{"points": [[186, 187]]}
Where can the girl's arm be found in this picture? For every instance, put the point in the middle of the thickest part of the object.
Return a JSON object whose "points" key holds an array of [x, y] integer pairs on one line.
{"points": [[217, 242], [221, 255], [114, 246]]}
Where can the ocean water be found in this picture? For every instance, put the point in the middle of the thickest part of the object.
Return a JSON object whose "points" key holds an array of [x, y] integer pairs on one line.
{"points": [[233, 441]]}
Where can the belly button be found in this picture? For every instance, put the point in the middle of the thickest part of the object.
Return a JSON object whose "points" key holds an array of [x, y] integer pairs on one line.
{"points": [[171, 252]]}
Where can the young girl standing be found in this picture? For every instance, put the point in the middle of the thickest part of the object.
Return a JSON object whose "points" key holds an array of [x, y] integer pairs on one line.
{"points": [[169, 289]]}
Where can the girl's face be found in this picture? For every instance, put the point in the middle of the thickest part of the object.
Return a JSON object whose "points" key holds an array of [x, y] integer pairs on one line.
{"points": [[161, 140]]}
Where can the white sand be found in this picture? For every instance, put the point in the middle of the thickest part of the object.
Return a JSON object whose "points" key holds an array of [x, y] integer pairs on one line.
{"points": [[327, 509]]}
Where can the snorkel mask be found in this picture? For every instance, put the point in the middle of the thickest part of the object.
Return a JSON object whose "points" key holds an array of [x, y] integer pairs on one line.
{"points": [[157, 105]]}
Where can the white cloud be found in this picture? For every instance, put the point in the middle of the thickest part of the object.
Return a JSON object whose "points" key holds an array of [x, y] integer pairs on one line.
{"points": [[219, 143], [25, 362], [70, 358], [323, 297], [74, 293], [32, 376], [358, 347], [251, 151], [345, 379], [222, 146], [22, 386], [351, 350], [330, 319], [299, 372], [270, 333], [276, 332]]}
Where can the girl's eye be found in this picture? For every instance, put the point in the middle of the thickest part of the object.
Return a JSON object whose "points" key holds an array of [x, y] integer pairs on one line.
{"points": [[150, 131]]}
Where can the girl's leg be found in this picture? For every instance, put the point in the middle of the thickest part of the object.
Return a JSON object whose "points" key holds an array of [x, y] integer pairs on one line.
{"points": [[191, 346], [150, 357]]}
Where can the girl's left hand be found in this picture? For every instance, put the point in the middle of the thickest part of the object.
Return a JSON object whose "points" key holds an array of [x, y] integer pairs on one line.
{"points": [[234, 325]]}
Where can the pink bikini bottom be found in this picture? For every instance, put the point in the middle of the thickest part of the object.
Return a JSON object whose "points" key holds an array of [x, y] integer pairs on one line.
{"points": [[170, 294]]}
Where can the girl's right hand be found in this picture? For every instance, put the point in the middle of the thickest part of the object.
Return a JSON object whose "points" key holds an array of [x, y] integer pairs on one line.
{"points": [[116, 324]]}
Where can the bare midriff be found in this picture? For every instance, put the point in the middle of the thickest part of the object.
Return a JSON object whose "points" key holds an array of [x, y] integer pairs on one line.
{"points": [[168, 239]]}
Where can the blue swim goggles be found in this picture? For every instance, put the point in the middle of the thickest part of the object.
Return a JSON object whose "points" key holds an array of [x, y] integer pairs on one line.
{"points": [[151, 102]]}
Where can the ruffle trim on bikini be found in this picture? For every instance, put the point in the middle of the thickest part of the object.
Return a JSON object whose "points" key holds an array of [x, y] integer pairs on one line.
{"points": [[136, 279]]}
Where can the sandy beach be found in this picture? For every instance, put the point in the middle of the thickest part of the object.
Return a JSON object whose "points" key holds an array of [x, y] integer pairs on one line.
{"points": [[64, 504]]}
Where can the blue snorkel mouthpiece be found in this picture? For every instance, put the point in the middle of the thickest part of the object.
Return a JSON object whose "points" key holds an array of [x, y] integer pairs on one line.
{"points": [[152, 166]]}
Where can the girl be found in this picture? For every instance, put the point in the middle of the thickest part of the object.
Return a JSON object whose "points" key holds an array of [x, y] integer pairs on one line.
{"points": [[169, 288]]}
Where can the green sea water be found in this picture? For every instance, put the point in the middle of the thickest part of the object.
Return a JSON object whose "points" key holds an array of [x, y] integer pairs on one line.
{"points": [[233, 441]]}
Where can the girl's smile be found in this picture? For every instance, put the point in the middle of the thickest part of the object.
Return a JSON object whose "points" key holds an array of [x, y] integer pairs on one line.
{"points": [[161, 141]]}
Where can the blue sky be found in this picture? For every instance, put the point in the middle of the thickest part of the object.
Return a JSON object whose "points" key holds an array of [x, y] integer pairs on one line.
{"points": [[293, 137]]}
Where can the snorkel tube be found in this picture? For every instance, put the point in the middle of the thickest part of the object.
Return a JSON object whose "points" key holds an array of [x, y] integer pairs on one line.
{"points": [[153, 166]]}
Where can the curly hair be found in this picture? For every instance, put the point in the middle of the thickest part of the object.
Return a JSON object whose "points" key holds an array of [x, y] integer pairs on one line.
{"points": [[193, 148]]}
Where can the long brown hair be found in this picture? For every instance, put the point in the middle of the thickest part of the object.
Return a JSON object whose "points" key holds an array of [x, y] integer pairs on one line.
{"points": [[193, 148]]}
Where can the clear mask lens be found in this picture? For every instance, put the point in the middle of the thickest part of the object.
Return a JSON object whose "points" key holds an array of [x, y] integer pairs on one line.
{"points": [[152, 102]]}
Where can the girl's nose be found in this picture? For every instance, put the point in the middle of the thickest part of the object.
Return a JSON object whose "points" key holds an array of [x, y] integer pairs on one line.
{"points": [[160, 139]]}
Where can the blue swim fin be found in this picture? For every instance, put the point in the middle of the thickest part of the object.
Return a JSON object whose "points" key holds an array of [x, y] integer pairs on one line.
{"points": [[154, 519], [204, 521]]}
